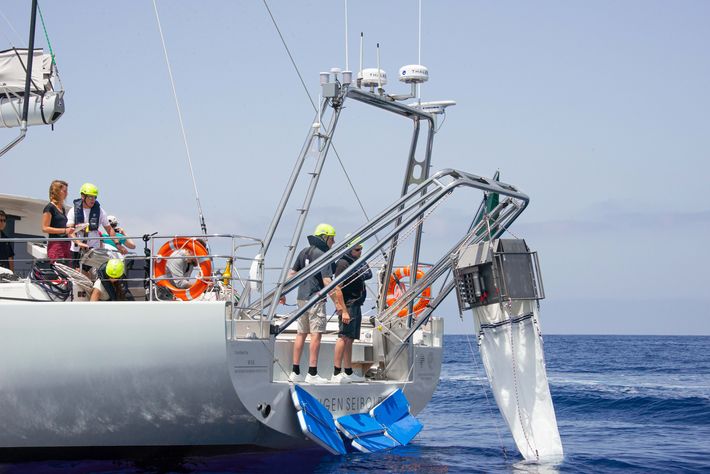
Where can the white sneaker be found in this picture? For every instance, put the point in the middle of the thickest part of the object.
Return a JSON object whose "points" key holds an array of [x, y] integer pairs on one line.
{"points": [[315, 379], [355, 378], [340, 378], [294, 377]]}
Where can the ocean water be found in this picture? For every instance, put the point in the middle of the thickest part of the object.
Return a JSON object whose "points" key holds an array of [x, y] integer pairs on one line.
{"points": [[623, 403]]}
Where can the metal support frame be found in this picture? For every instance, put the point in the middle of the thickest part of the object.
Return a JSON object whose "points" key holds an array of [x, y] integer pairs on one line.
{"points": [[323, 149], [506, 215], [416, 115], [406, 210]]}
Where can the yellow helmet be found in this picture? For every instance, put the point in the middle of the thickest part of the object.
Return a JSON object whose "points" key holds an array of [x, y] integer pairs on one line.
{"points": [[89, 189], [324, 229], [115, 268]]}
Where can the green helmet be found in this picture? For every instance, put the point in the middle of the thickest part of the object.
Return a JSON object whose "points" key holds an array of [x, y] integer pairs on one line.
{"points": [[324, 229], [89, 189], [355, 242], [115, 268]]}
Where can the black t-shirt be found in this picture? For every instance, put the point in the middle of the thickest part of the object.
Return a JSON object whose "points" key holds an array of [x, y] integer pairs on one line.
{"points": [[58, 220], [6, 251]]}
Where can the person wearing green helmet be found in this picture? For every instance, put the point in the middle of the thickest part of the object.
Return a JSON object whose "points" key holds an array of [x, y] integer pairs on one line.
{"points": [[111, 283], [354, 293], [313, 322], [86, 217]]}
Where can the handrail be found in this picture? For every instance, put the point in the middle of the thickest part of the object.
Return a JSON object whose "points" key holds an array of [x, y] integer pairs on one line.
{"points": [[238, 242]]}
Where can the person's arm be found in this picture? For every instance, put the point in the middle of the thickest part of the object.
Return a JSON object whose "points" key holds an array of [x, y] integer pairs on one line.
{"points": [[11, 263], [73, 226], [291, 273], [116, 242], [366, 272], [128, 242], [337, 296], [95, 295], [47, 229]]}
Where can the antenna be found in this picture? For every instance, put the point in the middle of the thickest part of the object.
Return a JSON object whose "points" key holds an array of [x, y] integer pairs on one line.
{"points": [[419, 54], [359, 74], [347, 64], [379, 75], [414, 74]]}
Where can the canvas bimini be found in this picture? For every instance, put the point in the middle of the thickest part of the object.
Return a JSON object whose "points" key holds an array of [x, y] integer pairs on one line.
{"points": [[30, 88], [209, 365]]}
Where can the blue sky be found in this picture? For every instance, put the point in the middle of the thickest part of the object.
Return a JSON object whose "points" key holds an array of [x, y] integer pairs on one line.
{"points": [[597, 110]]}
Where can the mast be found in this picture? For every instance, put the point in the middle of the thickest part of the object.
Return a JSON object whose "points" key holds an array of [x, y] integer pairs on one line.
{"points": [[30, 55]]}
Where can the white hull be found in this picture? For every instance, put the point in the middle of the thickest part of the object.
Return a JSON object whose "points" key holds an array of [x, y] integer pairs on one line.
{"points": [[120, 374]]}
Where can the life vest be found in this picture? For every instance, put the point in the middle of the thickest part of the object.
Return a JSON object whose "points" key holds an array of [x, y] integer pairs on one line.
{"points": [[94, 214], [354, 289], [306, 257]]}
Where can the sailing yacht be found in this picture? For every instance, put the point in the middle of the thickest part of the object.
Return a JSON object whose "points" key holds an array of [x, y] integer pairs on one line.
{"points": [[209, 365]]}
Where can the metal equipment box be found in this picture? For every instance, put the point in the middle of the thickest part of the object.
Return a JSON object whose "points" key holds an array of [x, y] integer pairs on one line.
{"points": [[495, 272]]}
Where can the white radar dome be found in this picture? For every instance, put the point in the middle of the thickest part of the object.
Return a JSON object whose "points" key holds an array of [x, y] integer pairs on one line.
{"points": [[372, 77], [413, 74]]}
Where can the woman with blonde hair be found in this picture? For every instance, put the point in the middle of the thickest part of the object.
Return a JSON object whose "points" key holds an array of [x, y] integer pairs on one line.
{"points": [[54, 223]]}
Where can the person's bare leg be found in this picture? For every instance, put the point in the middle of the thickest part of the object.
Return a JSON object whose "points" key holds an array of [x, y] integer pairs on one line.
{"points": [[348, 356], [339, 350], [315, 348], [298, 348]]}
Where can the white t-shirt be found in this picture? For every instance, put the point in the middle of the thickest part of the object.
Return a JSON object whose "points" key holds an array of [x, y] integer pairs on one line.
{"points": [[98, 285], [180, 269], [82, 235]]}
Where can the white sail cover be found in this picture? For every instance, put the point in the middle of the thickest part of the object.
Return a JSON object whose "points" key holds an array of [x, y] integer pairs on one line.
{"points": [[512, 353], [12, 70]]}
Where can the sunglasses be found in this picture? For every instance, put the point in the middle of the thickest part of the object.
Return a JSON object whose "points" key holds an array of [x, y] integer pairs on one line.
{"points": [[3, 220], [357, 250]]}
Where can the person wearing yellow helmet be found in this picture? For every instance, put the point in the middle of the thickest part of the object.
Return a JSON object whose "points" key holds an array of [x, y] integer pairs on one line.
{"points": [[313, 322], [86, 217], [111, 283]]}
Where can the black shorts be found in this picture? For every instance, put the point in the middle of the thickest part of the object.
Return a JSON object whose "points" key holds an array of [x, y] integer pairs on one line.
{"points": [[76, 257], [352, 329]]}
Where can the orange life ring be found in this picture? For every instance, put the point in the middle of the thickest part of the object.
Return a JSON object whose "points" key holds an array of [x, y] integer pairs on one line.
{"points": [[199, 251], [396, 288]]}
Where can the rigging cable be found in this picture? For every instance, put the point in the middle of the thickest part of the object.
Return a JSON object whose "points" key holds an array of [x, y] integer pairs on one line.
{"points": [[305, 88], [51, 51], [477, 368], [12, 28], [182, 125]]}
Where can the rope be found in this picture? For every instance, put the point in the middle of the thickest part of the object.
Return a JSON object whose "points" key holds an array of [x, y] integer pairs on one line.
{"points": [[315, 108], [182, 125], [11, 28], [290, 56], [46, 35], [514, 366], [51, 51], [488, 401]]}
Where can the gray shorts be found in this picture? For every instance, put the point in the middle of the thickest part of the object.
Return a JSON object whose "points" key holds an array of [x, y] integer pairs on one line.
{"points": [[313, 321]]}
